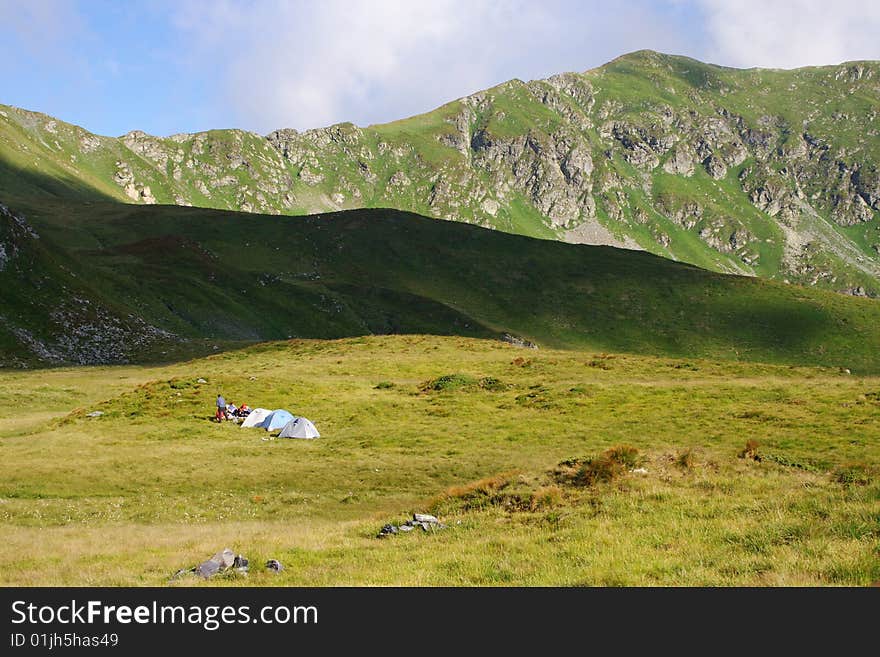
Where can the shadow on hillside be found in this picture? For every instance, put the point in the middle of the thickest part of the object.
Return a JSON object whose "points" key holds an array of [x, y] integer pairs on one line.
{"points": [[28, 188], [236, 278]]}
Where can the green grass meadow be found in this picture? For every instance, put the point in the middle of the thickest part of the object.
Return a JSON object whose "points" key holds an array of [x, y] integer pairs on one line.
{"points": [[492, 438]]}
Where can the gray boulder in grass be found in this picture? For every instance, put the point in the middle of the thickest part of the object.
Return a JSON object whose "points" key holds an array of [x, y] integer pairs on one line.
{"points": [[208, 568], [226, 558], [219, 562]]}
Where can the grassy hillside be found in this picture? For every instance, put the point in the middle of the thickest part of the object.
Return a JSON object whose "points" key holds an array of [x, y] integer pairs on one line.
{"points": [[186, 275], [764, 172], [481, 433]]}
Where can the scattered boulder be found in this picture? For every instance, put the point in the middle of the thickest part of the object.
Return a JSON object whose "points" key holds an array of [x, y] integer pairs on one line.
{"points": [[387, 530], [208, 568], [518, 342], [226, 558], [224, 561], [424, 517], [95, 414], [274, 565], [426, 521]]}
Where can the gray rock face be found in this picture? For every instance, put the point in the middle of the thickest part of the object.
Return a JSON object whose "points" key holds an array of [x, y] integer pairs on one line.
{"points": [[680, 162], [571, 151]]}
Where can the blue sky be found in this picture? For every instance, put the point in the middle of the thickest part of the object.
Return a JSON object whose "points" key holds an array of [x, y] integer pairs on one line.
{"points": [[189, 65]]}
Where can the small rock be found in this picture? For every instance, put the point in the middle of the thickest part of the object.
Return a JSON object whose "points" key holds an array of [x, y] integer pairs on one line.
{"points": [[240, 562], [208, 568], [386, 530], [406, 528], [274, 565], [518, 342], [200, 381], [95, 414], [226, 558], [424, 517], [642, 471]]}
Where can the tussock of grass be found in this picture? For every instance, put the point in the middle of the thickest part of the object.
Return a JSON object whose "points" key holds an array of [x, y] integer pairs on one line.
{"points": [[686, 459], [750, 451], [604, 468], [546, 497]]}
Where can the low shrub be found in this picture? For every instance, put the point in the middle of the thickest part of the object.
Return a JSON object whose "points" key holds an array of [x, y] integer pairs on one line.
{"points": [[491, 383], [854, 474], [788, 462], [450, 382]]}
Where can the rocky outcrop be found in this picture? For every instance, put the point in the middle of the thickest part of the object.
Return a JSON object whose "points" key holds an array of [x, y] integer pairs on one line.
{"points": [[652, 150], [124, 177]]}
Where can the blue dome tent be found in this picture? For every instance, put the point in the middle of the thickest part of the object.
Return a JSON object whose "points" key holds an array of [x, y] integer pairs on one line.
{"points": [[276, 420]]}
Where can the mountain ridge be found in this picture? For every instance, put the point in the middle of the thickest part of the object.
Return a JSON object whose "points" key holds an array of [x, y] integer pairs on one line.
{"points": [[763, 172]]}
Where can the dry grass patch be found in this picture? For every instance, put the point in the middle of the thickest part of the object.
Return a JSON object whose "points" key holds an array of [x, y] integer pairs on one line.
{"points": [[604, 468]]}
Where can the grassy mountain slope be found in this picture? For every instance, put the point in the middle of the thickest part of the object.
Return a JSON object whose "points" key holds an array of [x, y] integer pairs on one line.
{"points": [[187, 275], [765, 172], [151, 486]]}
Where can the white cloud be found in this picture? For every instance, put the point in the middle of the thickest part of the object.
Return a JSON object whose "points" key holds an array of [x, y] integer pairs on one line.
{"points": [[791, 33], [44, 29], [307, 64]]}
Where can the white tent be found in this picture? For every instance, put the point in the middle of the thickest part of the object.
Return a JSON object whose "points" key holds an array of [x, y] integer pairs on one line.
{"points": [[256, 417], [299, 427]]}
